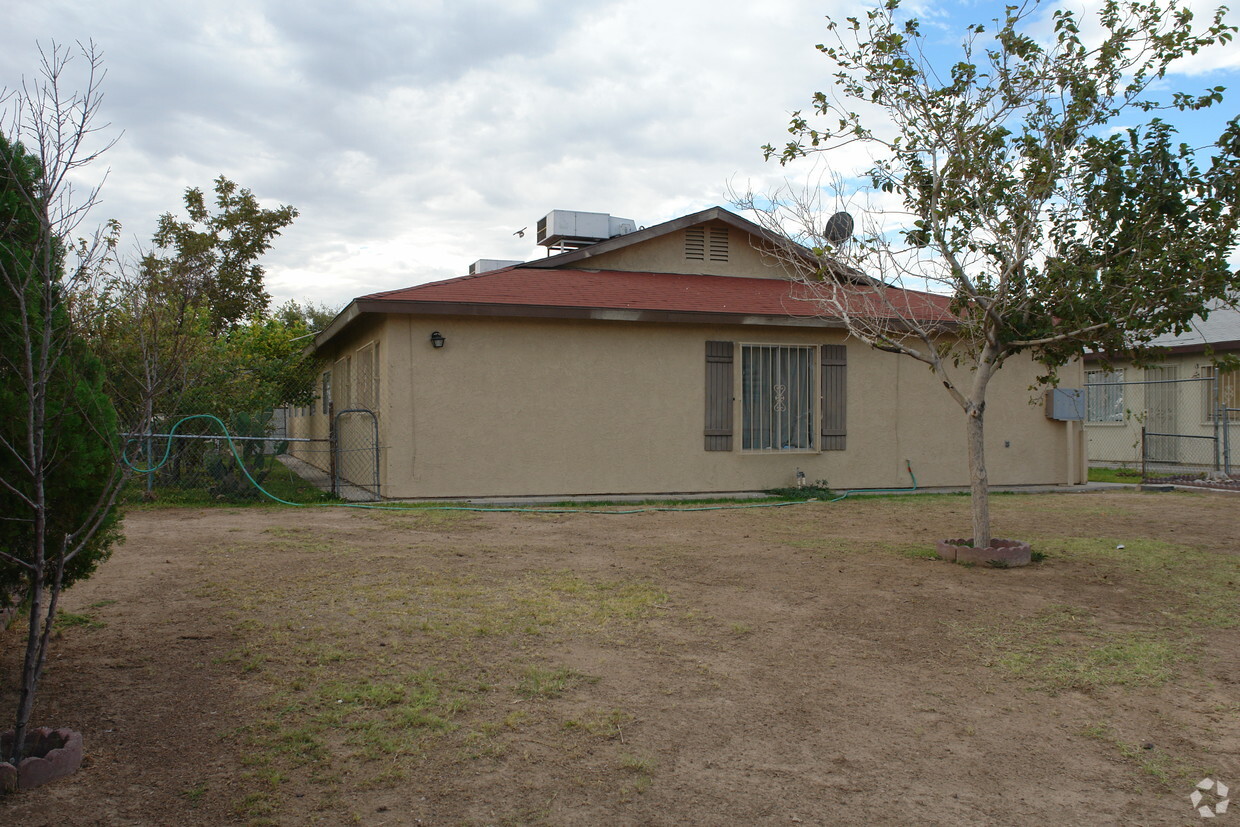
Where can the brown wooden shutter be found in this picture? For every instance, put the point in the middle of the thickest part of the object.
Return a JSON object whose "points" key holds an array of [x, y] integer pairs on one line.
{"points": [[834, 396], [718, 396]]}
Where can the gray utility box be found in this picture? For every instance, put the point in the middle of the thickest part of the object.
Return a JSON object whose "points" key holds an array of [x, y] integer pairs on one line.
{"points": [[1065, 404]]}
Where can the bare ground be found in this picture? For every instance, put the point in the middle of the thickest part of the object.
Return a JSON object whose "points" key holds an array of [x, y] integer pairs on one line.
{"points": [[800, 665]]}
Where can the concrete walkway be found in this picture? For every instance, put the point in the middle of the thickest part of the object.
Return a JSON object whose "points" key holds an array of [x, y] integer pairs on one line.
{"points": [[322, 480], [753, 495], [353, 493]]}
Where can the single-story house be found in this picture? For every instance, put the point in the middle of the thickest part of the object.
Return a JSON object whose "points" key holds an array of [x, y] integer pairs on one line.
{"points": [[1182, 403], [677, 358]]}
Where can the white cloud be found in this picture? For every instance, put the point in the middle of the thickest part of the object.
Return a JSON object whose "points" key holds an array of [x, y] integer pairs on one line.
{"points": [[416, 136], [1216, 59]]}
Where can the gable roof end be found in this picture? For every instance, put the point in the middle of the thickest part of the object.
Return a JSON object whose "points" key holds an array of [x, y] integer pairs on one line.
{"points": [[667, 227]]}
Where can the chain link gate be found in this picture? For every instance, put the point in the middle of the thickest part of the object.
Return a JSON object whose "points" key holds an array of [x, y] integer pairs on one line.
{"points": [[355, 455]]}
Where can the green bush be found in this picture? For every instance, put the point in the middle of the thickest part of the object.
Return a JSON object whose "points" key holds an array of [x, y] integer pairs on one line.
{"points": [[79, 431], [816, 490]]}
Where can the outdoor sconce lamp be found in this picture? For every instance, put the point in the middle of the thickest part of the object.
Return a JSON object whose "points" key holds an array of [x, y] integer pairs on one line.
{"points": [[437, 339]]}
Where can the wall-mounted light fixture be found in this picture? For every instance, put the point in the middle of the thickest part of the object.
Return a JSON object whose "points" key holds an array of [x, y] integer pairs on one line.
{"points": [[437, 339]]}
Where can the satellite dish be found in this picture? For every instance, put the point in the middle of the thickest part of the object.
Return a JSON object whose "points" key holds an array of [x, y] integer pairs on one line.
{"points": [[839, 228]]}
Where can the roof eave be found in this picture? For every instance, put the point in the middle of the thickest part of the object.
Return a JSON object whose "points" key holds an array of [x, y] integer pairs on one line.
{"points": [[1195, 347], [620, 314], [343, 319], [360, 307], [623, 314]]}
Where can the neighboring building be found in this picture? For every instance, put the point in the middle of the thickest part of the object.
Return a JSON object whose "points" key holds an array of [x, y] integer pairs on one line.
{"points": [[1181, 404], [671, 359]]}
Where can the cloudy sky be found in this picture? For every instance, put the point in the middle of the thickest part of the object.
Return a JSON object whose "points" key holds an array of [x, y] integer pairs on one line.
{"points": [[416, 136]]}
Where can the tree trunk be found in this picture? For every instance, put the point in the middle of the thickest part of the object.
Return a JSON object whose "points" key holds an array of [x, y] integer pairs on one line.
{"points": [[979, 482], [31, 664]]}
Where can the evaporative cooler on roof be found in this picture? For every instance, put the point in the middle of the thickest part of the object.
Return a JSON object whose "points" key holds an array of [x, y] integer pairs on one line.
{"points": [[572, 230]]}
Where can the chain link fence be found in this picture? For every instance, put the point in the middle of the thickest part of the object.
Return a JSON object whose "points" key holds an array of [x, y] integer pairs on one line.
{"points": [[210, 468], [257, 456], [1162, 428]]}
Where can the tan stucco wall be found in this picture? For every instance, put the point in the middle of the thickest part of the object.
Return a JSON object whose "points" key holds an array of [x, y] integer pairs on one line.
{"points": [[315, 424], [666, 254], [526, 407]]}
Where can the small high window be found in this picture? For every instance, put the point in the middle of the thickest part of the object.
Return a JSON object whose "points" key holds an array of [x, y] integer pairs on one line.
{"points": [[367, 380]]}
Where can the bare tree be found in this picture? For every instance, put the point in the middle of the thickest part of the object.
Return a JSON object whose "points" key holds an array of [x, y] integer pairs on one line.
{"points": [[1020, 219], [59, 469], [152, 337]]}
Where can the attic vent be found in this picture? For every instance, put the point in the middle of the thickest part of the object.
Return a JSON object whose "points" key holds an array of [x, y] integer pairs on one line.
{"points": [[695, 244], [701, 245]]}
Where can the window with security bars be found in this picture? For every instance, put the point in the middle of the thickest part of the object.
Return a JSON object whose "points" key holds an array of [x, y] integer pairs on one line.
{"points": [[1225, 398], [777, 383], [1104, 396]]}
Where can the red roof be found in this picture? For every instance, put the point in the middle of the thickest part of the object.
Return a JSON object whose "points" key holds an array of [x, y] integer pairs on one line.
{"points": [[623, 290]]}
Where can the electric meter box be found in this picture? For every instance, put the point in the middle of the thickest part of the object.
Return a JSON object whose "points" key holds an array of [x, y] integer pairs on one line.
{"points": [[1065, 404]]}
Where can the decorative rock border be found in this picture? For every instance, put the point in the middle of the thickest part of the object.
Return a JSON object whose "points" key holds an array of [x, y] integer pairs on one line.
{"points": [[1218, 483], [1009, 553], [51, 754]]}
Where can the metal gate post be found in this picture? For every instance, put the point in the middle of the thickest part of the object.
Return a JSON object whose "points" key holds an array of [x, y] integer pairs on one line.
{"points": [[333, 437], [1219, 419], [1144, 478], [1226, 413]]}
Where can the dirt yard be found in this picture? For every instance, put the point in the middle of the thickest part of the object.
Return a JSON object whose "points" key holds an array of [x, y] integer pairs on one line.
{"points": [[798, 665]]}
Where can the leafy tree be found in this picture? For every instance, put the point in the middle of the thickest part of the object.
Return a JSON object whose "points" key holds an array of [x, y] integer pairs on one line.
{"points": [[183, 328], [59, 474], [315, 316], [255, 367], [213, 257], [1034, 200]]}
